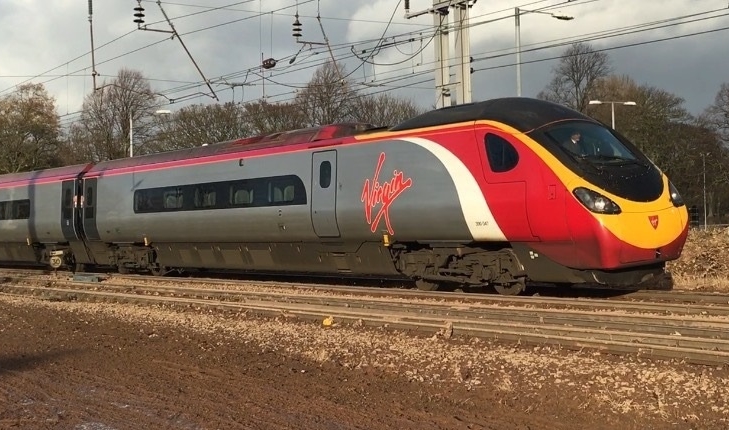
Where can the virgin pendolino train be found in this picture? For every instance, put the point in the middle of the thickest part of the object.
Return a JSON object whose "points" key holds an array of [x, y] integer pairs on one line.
{"points": [[487, 193]]}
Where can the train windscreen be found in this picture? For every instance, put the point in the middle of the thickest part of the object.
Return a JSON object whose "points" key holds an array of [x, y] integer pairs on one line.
{"points": [[602, 157]]}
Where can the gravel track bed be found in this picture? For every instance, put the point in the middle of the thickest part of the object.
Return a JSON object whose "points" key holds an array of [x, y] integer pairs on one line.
{"points": [[658, 336], [672, 393]]}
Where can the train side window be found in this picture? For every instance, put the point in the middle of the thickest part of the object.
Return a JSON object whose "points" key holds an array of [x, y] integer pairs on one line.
{"points": [[285, 190], [172, 198], [325, 174], [501, 154], [67, 210], [89, 198], [204, 197], [21, 209], [275, 193], [141, 201], [241, 194], [3, 208]]}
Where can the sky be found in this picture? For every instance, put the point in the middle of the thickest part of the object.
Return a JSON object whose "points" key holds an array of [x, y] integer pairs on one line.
{"points": [[676, 45]]}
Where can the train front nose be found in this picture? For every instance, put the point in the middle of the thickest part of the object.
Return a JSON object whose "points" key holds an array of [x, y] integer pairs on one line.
{"points": [[612, 233], [653, 235]]}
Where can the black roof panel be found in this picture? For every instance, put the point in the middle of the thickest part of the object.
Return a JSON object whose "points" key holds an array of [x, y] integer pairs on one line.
{"points": [[524, 114]]}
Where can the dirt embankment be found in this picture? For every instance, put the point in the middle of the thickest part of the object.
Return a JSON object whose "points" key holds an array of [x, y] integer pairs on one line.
{"points": [[704, 263]]}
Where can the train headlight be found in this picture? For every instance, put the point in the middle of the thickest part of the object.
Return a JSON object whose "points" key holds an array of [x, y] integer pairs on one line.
{"points": [[676, 198], [596, 202]]}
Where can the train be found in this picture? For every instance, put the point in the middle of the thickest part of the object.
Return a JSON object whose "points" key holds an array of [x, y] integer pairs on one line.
{"points": [[494, 194]]}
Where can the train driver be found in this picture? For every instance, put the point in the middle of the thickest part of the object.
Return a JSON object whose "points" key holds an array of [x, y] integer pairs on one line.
{"points": [[577, 146]]}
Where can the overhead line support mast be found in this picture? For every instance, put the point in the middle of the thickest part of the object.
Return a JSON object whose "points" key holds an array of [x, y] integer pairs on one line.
{"points": [[440, 11]]}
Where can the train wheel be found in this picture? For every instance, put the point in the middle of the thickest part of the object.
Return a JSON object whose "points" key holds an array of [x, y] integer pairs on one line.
{"points": [[160, 270], [512, 289], [424, 285]]}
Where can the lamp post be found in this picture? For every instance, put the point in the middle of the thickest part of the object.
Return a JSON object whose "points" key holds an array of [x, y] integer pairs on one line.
{"points": [[703, 159], [131, 135], [612, 107], [517, 13]]}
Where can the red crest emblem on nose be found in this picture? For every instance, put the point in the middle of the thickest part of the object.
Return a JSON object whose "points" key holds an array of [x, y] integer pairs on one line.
{"points": [[654, 220]]}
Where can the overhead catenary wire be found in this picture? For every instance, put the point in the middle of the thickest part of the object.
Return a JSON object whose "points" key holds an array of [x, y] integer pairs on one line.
{"points": [[481, 56]]}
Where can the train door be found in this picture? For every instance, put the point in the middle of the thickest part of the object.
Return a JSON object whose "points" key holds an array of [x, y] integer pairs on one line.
{"points": [[89, 210], [69, 211], [71, 221], [324, 193], [507, 176]]}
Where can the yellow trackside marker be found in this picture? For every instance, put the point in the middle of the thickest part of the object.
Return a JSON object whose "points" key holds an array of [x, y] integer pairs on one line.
{"points": [[328, 321], [386, 239]]}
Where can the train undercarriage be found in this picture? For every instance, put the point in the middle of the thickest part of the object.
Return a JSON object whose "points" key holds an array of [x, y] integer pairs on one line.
{"points": [[502, 266]]}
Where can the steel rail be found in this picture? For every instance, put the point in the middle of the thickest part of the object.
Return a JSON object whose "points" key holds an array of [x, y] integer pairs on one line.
{"points": [[661, 298], [702, 350], [657, 324]]}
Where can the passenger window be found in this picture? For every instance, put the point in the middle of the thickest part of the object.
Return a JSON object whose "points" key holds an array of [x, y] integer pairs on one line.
{"points": [[240, 194], [204, 197], [3, 206], [21, 209], [501, 154], [141, 201], [288, 193], [325, 174], [173, 198], [275, 194]]}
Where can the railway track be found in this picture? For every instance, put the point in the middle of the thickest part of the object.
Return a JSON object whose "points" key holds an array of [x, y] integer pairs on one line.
{"points": [[691, 328]]}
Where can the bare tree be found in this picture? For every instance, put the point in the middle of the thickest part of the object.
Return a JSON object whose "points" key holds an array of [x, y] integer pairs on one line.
{"points": [[576, 75], [200, 124], [327, 97], [384, 109], [103, 132], [717, 115], [266, 118], [29, 129]]}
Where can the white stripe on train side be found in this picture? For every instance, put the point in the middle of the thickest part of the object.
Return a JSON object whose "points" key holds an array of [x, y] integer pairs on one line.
{"points": [[478, 216]]}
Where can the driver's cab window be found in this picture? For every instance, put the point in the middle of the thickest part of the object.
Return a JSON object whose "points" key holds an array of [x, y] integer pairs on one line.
{"points": [[584, 139], [501, 154]]}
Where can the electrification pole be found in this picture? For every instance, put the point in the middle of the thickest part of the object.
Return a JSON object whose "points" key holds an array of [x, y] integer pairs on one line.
{"points": [[463, 50], [91, 30], [442, 71], [440, 11]]}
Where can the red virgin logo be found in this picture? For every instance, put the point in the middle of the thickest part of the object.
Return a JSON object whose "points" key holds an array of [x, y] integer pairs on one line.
{"points": [[379, 197], [654, 220]]}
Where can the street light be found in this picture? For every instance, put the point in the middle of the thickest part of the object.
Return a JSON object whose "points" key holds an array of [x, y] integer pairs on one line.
{"points": [[517, 13], [612, 107], [703, 159]]}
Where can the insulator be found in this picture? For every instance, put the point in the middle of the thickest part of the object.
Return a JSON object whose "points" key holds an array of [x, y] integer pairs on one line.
{"points": [[269, 63], [296, 31], [139, 15], [91, 7]]}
